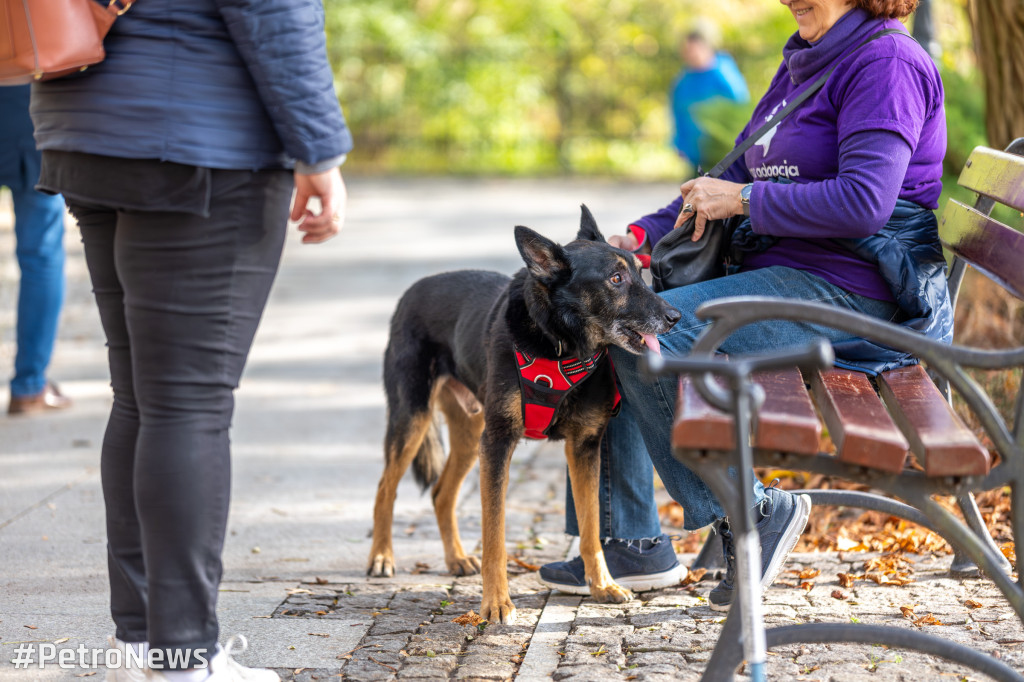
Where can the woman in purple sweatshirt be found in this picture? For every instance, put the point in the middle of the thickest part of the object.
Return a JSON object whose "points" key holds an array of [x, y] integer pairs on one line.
{"points": [[839, 197]]}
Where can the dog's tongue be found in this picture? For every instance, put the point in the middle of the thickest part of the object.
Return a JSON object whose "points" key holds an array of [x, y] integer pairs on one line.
{"points": [[652, 343]]}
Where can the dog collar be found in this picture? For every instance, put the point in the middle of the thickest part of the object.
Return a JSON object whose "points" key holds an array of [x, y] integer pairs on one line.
{"points": [[545, 383]]}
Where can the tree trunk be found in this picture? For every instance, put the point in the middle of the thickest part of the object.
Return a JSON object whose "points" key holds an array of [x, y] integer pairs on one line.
{"points": [[999, 44]]}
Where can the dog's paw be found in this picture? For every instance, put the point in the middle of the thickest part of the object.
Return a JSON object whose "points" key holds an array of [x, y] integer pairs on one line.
{"points": [[382, 565], [498, 611], [464, 565], [611, 593]]}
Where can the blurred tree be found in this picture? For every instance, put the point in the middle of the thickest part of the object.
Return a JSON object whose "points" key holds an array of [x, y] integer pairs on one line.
{"points": [[557, 86], [527, 86], [999, 43]]}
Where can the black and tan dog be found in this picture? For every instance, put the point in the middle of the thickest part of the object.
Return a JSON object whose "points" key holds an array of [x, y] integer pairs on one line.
{"points": [[457, 341]]}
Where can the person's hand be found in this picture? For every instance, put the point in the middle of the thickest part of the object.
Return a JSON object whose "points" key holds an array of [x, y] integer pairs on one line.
{"points": [[329, 188], [626, 242], [710, 199]]}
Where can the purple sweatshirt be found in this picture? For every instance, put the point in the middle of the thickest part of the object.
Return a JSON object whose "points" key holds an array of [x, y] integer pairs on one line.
{"points": [[875, 132]]}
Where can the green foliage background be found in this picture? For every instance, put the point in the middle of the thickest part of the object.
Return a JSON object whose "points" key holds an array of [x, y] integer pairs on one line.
{"points": [[540, 87]]}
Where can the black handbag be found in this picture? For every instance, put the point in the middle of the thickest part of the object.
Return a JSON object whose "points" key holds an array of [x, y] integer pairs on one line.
{"points": [[677, 260]]}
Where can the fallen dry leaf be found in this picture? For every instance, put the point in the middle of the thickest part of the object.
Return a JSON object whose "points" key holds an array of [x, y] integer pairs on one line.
{"points": [[927, 620], [972, 604], [420, 568], [839, 594], [807, 585], [846, 580], [468, 618], [908, 611], [528, 567], [321, 581], [694, 575], [671, 514], [809, 573]]}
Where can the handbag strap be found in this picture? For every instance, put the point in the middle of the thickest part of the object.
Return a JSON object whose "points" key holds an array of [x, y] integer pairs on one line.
{"points": [[751, 139]]}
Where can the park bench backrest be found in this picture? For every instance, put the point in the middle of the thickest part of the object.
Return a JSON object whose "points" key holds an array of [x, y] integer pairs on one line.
{"points": [[975, 238], [972, 235]]}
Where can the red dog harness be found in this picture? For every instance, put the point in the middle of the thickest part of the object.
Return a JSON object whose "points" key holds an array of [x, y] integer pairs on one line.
{"points": [[545, 383]]}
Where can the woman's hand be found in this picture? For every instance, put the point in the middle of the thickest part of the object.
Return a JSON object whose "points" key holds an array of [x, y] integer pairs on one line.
{"points": [[626, 242], [710, 199], [329, 188]]}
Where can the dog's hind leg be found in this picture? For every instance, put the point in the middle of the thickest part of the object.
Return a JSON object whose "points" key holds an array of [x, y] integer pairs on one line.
{"points": [[411, 398], [583, 455], [465, 424], [402, 443]]}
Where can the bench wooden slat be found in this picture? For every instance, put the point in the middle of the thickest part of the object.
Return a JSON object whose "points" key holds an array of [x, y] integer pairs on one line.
{"points": [[786, 421], [940, 440], [987, 244], [995, 174], [699, 426], [858, 422]]}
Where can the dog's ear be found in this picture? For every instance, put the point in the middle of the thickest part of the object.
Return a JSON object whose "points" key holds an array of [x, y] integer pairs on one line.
{"points": [[544, 258], [588, 226]]}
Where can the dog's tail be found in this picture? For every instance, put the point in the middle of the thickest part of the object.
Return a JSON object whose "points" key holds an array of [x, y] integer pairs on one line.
{"points": [[426, 468]]}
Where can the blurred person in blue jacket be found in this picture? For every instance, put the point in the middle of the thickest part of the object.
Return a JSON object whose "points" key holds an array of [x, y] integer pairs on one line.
{"points": [[706, 74], [179, 155], [39, 248]]}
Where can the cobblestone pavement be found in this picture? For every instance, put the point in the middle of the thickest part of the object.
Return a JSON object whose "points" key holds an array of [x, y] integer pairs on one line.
{"points": [[306, 459], [662, 635]]}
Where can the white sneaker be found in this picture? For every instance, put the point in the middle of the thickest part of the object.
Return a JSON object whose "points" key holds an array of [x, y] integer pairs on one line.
{"points": [[127, 671], [224, 668]]}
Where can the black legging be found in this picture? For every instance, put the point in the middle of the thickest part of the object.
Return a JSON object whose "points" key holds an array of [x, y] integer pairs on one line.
{"points": [[179, 296]]}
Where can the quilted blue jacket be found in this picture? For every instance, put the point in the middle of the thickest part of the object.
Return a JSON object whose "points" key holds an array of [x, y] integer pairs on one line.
{"points": [[233, 84], [908, 253]]}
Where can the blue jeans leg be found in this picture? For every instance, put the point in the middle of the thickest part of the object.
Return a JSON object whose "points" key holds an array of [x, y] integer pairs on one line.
{"points": [[39, 233], [653, 404]]}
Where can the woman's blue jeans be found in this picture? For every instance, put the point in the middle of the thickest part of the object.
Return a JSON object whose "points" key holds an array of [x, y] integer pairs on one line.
{"points": [[638, 440], [39, 235]]}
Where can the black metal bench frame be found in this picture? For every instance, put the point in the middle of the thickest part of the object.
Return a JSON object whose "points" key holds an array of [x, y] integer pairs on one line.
{"points": [[730, 473]]}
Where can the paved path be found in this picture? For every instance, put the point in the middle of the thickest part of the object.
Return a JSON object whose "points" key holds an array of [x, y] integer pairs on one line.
{"points": [[307, 443]]}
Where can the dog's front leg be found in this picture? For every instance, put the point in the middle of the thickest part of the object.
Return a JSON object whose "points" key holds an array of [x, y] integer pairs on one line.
{"points": [[495, 454], [584, 457]]}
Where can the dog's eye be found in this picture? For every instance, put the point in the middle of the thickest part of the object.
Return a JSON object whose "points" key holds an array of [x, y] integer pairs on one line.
{"points": [[616, 278]]}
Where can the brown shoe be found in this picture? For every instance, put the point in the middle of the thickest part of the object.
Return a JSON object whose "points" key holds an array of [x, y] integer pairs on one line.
{"points": [[50, 398]]}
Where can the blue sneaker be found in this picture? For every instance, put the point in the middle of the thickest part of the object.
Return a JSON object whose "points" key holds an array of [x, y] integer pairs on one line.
{"points": [[639, 565], [783, 518]]}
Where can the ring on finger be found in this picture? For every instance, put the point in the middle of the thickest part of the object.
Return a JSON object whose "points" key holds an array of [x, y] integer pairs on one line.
{"points": [[687, 208]]}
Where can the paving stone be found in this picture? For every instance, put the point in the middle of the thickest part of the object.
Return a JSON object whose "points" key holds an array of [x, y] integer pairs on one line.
{"points": [[368, 671], [485, 667], [393, 624], [594, 672], [656, 662], [427, 667]]}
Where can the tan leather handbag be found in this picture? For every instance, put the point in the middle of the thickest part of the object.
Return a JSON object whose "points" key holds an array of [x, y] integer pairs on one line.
{"points": [[42, 39]]}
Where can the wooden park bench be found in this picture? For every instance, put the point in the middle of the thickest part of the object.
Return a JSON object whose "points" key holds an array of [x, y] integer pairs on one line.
{"points": [[875, 423]]}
